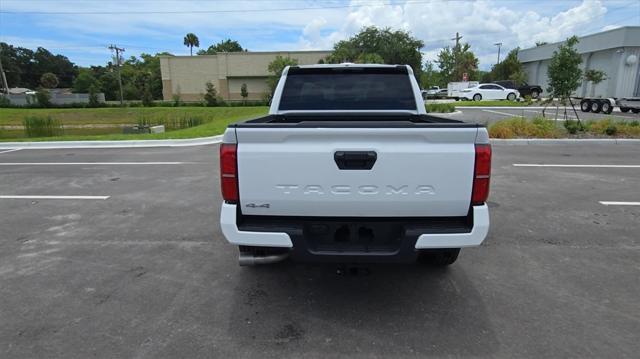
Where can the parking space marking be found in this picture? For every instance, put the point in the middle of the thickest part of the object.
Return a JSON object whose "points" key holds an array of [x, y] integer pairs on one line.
{"points": [[55, 197], [613, 203], [574, 166], [89, 163], [503, 113], [11, 150]]}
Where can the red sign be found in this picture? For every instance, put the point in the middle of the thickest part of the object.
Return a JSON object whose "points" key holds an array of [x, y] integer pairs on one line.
{"points": [[465, 77]]}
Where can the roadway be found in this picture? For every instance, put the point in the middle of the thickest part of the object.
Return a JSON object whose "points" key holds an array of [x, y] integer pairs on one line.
{"points": [[130, 262]]}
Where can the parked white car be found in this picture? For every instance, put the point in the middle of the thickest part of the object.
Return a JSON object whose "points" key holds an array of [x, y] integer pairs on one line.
{"points": [[489, 92]]}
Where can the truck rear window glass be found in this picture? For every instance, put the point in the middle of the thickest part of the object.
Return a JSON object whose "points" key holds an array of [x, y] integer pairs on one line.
{"points": [[347, 90]]}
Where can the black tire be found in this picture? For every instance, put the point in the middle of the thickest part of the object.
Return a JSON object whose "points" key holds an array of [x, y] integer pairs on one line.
{"points": [[585, 105], [477, 97], [606, 107], [596, 106], [624, 109], [635, 110], [511, 97], [438, 257], [535, 94]]}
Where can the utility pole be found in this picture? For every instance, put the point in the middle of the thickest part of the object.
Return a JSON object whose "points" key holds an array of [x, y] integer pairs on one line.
{"points": [[499, 44], [118, 50], [456, 55], [5, 85], [457, 38]]}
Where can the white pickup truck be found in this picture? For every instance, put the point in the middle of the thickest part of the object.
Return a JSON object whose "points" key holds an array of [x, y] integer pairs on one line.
{"points": [[348, 167]]}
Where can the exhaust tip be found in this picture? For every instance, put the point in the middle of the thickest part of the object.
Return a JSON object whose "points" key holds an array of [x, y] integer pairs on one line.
{"points": [[247, 259]]}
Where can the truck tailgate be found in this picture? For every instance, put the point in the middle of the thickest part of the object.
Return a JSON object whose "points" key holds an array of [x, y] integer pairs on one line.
{"points": [[415, 172]]}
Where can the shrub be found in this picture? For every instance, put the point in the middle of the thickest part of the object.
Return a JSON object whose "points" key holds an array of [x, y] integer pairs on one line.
{"points": [[573, 126], [43, 97], [4, 102], [441, 107], [93, 96], [523, 128], [634, 123], [211, 96], [147, 97], [40, 126], [611, 130]]}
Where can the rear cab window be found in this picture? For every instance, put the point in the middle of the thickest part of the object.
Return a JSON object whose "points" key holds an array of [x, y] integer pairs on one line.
{"points": [[346, 88]]}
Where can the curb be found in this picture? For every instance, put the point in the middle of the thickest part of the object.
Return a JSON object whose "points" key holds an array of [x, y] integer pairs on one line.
{"points": [[112, 144]]}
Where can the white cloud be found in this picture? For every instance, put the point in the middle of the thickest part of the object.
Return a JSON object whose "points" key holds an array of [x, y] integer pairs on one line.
{"points": [[481, 23]]}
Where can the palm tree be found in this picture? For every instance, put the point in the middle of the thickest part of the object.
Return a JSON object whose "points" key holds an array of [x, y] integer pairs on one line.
{"points": [[191, 40]]}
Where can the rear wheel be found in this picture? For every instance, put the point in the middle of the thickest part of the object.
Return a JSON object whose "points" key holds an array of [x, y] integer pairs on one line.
{"points": [[585, 105], [596, 106], [438, 257], [624, 109], [606, 107], [477, 97], [511, 97], [535, 94], [635, 110]]}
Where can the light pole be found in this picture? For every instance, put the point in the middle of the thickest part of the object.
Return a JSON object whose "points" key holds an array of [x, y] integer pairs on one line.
{"points": [[499, 44]]}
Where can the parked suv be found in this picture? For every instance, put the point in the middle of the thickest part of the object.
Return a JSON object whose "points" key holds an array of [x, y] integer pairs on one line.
{"points": [[533, 91]]}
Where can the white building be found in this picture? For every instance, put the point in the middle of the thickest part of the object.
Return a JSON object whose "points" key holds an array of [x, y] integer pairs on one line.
{"points": [[616, 52]]}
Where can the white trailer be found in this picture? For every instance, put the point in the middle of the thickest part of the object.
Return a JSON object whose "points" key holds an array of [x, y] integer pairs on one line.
{"points": [[606, 105], [454, 88]]}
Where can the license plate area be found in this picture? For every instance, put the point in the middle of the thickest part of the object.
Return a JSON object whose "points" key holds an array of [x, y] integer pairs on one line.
{"points": [[361, 237]]}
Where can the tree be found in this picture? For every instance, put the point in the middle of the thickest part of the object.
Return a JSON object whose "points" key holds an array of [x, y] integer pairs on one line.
{"points": [[191, 40], [227, 45], [93, 96], [43, 96], [211, 95], [564, 71], [25, 67], [84, 81], [595, 77], [455, 62], [430, 76], [49, 80], [147, 98], [244, 92], [509, 69], [376, 45], [275, 68]]}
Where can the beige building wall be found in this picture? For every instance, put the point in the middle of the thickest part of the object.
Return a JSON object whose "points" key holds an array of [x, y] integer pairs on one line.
{"points": [[187, 75]]}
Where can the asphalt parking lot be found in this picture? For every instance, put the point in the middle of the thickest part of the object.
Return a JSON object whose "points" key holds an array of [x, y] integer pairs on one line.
{"points": [[133, 265], [487, 115]]}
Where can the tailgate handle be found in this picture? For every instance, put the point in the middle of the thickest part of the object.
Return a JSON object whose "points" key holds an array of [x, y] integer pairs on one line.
{"points": [[355, 160]]}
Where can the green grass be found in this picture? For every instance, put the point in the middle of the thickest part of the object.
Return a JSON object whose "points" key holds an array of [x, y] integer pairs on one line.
{"points": [[110, 115], [216, 121], [492, 103]]}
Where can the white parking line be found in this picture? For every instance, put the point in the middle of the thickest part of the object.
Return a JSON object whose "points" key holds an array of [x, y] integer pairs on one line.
{"points": [[608, 203], [55, 197], [502, 113], [11, 150], [576, 166], [88, 163]]}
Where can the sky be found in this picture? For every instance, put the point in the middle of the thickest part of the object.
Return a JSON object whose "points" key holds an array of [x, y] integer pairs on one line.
{"points": [[83, 29]]}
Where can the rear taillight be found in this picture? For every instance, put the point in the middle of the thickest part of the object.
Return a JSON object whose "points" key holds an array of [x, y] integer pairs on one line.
{"points": [[481, 174], [229, 172]]}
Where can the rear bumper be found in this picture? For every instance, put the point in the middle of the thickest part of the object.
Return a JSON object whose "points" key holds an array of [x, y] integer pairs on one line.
{"points": [[407, 235]]}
